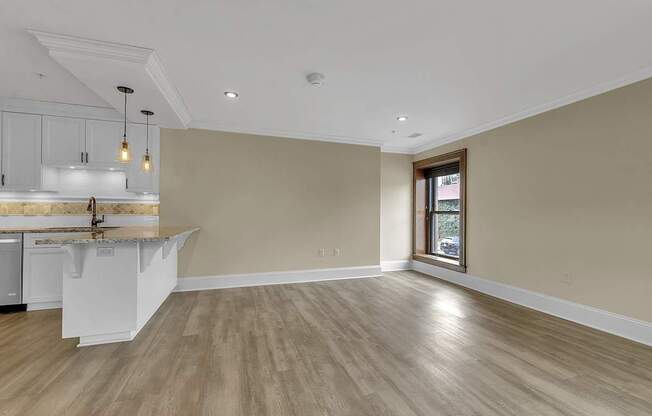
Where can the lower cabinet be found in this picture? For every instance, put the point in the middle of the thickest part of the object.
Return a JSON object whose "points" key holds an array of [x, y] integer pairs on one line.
{"points": [[43, 277]]}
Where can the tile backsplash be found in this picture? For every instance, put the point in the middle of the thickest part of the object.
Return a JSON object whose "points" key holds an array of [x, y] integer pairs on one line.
{"points": [[76, 208]]}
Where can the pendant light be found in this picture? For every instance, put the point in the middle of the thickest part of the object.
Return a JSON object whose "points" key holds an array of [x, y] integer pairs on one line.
{"points": [[124, 155], [146, 164]]}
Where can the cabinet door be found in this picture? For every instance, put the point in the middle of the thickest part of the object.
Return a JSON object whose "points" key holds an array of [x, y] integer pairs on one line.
{"points": [[137, 180], [21, 151], [102, 144], [42, 275], [63, 141]]}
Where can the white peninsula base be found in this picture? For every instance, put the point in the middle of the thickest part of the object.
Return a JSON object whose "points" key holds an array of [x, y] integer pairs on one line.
{"points": [[111, 289]]}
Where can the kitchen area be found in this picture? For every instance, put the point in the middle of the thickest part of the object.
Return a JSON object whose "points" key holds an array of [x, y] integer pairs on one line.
{"points": [[79, 206]]}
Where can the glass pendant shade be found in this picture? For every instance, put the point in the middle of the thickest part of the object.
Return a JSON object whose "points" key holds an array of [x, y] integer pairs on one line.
{"points": [[146, 164], [125, 153]]}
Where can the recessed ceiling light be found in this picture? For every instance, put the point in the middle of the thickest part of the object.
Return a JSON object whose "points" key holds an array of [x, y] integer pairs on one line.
{"points": [[402, 118], [231, 94], [316, 79], [72, 167]]}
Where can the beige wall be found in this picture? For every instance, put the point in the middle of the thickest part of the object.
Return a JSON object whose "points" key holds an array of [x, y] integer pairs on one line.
{"points": [[568, 191], [395, 207], [269, 204]]}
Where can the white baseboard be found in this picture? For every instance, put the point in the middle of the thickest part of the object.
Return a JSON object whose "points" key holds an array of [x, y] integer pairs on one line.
{"points": [[623, 326], [88, 340], [275, 278], [396, 265], [40, 306]]}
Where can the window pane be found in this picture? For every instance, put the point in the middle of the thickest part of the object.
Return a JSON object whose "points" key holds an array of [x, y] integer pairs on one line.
{"points": [[448, 193], [447, 235]]}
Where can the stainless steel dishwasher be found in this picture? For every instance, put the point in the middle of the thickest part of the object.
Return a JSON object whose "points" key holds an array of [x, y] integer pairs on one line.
{"points": [[11, 269]]}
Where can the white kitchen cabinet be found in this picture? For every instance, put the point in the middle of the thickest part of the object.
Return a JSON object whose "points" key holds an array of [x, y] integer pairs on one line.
{"points": [[20, 150], [43, 277], [42, 272], [102, 144], [64, 141], [137, 180], [33, 146]]}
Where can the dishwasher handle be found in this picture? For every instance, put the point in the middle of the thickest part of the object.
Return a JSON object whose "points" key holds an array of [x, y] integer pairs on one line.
{"points": [[9, 240]]}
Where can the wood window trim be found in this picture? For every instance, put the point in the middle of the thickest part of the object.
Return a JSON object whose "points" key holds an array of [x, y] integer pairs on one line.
{"points": [[419, 231], [439, 262]]}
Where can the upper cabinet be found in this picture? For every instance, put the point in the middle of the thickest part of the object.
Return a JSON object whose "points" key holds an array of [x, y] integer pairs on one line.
{"points": [[76, 142], [64, 141], [30, 141], [20, 150], [102, 143]]}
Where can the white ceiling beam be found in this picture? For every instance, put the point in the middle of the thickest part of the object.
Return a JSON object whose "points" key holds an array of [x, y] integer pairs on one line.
{"points": [[102, 66]]}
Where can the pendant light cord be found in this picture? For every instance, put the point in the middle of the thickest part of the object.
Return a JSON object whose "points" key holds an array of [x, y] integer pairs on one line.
{"points": [[124, 135], [147, 134]]}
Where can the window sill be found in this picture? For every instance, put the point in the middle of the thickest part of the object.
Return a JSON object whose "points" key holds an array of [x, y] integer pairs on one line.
{"points": [[440, 262]]}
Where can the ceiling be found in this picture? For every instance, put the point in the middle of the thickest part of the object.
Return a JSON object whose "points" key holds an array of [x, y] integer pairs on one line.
{"points": [[454, 67]]}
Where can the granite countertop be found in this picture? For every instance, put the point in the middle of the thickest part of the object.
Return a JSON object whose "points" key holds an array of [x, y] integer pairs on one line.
{"points": [[129, 234]]}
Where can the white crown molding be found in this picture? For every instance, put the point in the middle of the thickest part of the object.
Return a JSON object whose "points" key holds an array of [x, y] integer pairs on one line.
{"points": [[404, 150], [156, 71], [78, 47], [23, 105], [623, 326], [69, 46], [274, 278], [209, 125], [631, 78], [64, 46]]}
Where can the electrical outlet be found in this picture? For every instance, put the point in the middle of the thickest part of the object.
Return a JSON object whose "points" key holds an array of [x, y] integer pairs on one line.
{"points": [[105, 252], [337, 252], [566, 278], [322, 252]]}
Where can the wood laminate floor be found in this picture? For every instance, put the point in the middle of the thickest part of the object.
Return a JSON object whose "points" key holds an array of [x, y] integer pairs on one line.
{"points": [[403, 344]]}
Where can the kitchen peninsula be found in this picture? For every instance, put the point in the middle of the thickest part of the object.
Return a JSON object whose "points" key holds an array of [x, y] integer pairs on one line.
{"points": [[114, 280]]}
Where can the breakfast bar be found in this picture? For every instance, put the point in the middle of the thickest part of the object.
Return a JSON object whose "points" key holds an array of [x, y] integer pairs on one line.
{"points": [[114, 280]]}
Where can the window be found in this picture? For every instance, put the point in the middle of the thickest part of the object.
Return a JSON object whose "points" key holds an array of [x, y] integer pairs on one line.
{"points": [[439, 217]]}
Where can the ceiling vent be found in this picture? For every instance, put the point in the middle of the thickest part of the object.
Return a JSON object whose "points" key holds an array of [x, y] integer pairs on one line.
{"points": [[415, 135]]}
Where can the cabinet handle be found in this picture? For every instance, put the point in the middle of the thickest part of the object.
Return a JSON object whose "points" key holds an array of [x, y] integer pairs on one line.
{"points": [[82, 157], [86, 157], [127, 182], [3, 179]]}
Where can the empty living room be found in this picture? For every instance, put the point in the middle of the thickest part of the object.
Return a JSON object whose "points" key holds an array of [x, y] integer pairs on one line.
{"points": [[339, 208]]}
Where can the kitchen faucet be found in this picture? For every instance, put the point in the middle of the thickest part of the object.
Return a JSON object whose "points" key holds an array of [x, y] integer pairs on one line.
{"points": [[92, 207]]}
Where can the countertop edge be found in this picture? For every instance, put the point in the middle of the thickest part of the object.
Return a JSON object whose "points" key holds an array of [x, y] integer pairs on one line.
{"points": [[113, 240]]}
